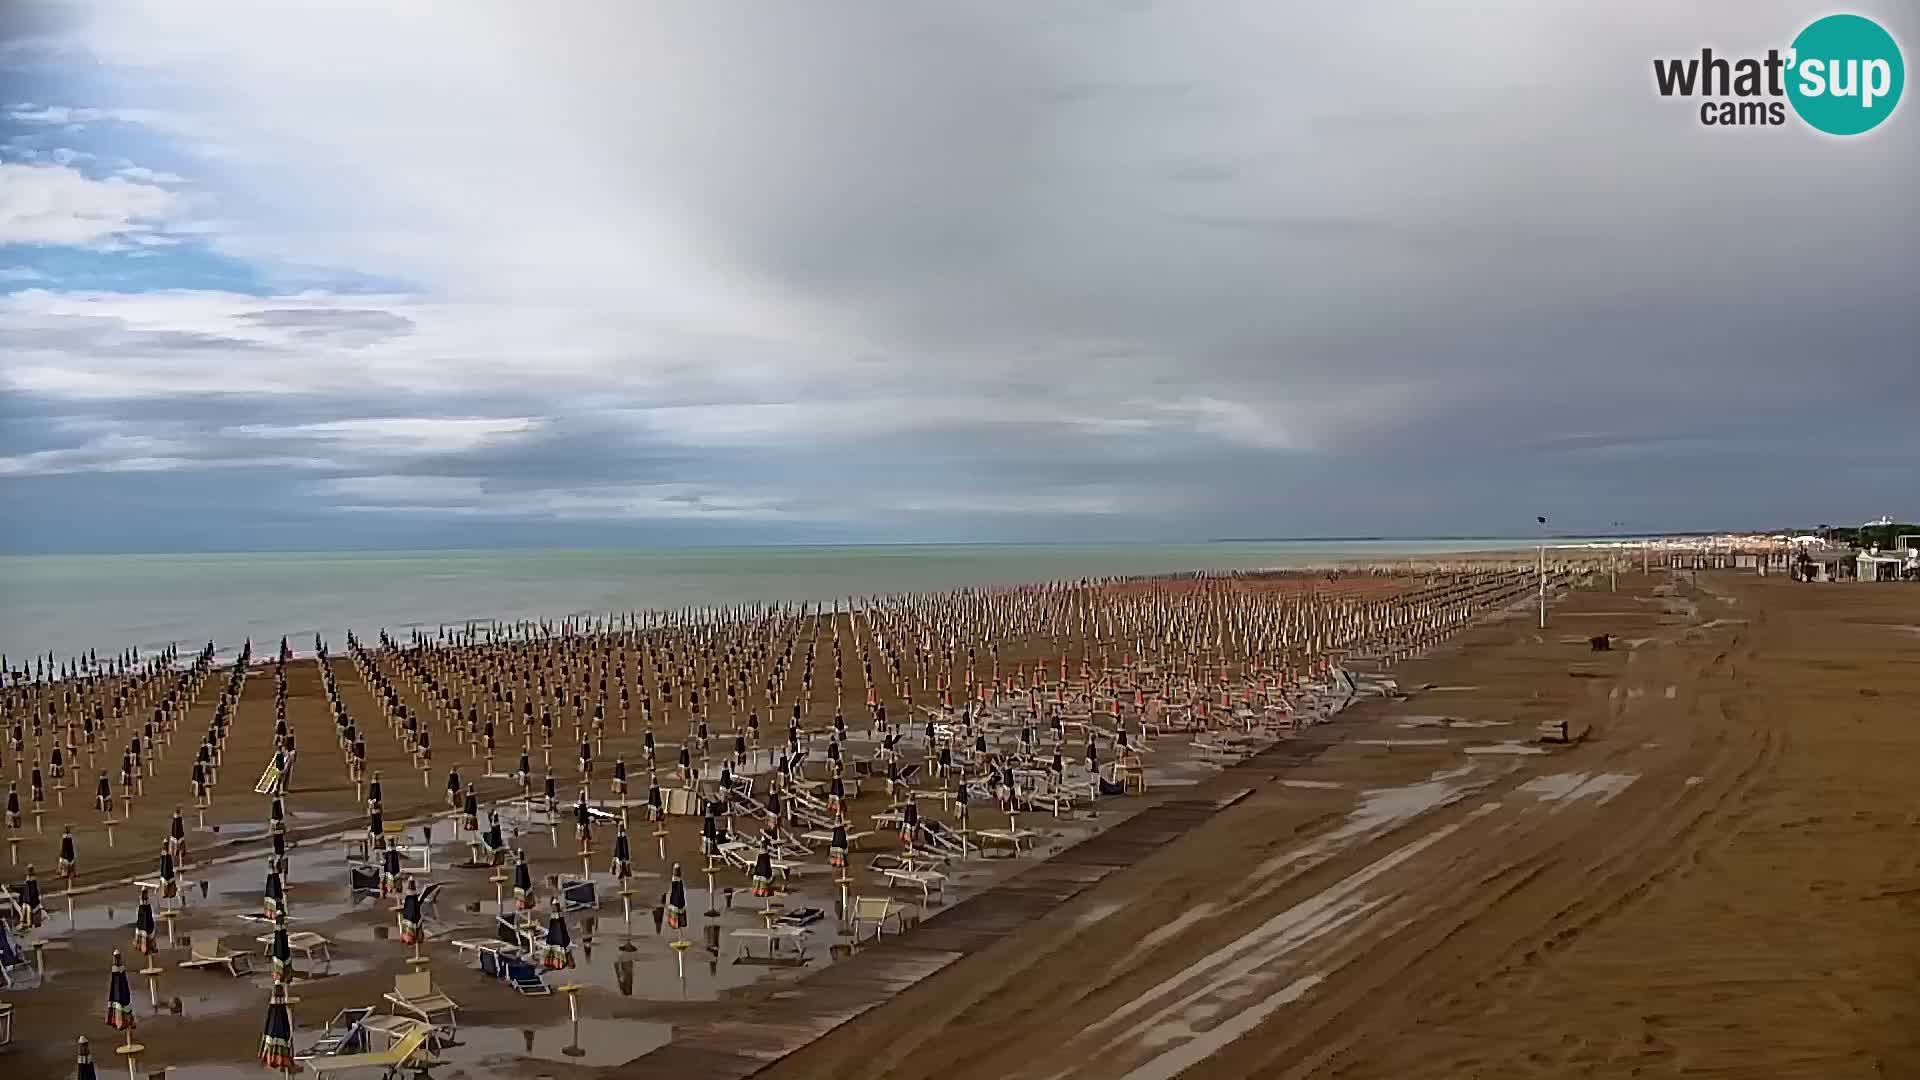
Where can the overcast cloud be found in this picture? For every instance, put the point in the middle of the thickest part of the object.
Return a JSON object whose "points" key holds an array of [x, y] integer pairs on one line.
{"points": [[448, 274]]}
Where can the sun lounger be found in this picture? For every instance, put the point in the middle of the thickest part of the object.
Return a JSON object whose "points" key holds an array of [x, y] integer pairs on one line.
{"points": [[773, 937], [876, 911], [405, 1051], [525, 978], [1015, 838], [344, 1034], [578, 894], [927, 881], [416, 995], [306, 943], [236, 964], [6, 1023]]}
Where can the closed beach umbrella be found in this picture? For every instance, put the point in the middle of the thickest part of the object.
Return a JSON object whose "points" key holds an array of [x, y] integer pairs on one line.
{"points": [[143, 939], [522, 882], [494, 841], [655, 808], [83, 1064], [169, 879], [389, 870], [582, 825], [837, 848], [410, 914], [30, 902], [376, 822], [280, 951], [273, 899], [763, 873], [68, 859], [557, 952], [622, 856], [177, 835], [676, 901], [470, 811], [276, 1044], [13, 805], [119, 1000]]}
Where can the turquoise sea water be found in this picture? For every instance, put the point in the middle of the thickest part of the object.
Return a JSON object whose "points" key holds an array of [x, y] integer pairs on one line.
{"points": [[69, 603]]}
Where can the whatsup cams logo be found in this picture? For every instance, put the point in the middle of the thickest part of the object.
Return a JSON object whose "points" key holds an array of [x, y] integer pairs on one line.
{"points": [[1842, 75]]}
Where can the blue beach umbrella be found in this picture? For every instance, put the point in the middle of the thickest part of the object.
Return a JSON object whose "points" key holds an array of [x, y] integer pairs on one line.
{"points": [[143, 937], [119, 1000], [622, 855], [36, 912], [276, 1044], [83, 1064], [274, 898], [410, 914], [522, 882], [169, 878], [557, 952], [280, 951], [676, 901]]}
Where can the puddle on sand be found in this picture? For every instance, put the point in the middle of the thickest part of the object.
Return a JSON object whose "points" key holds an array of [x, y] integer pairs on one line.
{"points": [[591, 1042]]}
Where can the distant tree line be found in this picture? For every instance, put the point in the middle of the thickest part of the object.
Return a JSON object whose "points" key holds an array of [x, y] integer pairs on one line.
{"points": [[1864, 536]]}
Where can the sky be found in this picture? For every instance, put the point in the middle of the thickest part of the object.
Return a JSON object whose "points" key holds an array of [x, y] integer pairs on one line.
{"points": [[364, 275]]}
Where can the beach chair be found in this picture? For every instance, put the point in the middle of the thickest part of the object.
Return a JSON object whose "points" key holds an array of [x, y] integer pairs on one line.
{"points": [[11, 959], [363, 883], [236, 964], [416, 995], [308, 944], [429, 897], [524, 977], [346, 1033], [876, 911], [408, 1050], [578, 894]]}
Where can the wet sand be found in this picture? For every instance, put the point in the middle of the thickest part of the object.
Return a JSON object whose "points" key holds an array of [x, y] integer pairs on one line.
{"points": [[1723, 879]]}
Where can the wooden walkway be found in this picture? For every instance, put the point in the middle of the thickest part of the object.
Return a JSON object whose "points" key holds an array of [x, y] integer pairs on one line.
{"points": [[731, 1049]]}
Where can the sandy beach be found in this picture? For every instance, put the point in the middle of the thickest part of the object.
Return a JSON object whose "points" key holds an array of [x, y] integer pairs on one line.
{"points": [[1415, 886], [203, 1023]]}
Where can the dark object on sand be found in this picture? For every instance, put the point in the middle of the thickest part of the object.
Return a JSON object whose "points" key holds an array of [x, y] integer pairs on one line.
{"points": [[1601, 643]]}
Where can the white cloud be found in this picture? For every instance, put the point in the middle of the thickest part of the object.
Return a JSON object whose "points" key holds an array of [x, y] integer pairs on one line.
{"points": [[59, 205], [464, 497], [399, 435]]}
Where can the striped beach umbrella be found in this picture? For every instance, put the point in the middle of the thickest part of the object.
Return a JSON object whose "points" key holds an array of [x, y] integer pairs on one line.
{"points": [[557, 951], [119, 1000], [676, 901], [837, 848], [276, 1043], [522, 882], [83, 1064], [143, 937]]}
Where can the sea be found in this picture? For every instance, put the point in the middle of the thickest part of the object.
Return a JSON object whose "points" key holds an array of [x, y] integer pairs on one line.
{"points": [[69, 604]]}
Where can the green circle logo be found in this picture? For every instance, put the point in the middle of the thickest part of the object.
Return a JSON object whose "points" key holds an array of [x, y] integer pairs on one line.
{"points": [[1846, 75]]}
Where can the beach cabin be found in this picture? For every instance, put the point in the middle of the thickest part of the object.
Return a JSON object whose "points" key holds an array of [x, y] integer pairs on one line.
{"points": [[1823, 566], [1875, 564]]}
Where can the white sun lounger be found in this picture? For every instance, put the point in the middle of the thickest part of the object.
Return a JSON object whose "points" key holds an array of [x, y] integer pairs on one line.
{"points": [[416, 995], [876, 911], [236, 964], [306, 943]]}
